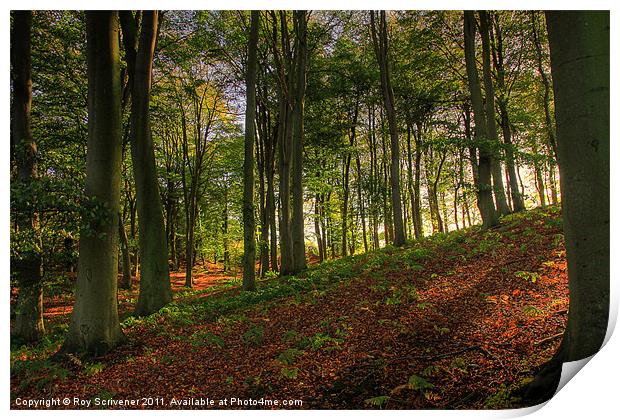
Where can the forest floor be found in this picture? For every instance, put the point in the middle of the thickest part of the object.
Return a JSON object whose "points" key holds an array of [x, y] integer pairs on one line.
{"points": [[452, 321]]}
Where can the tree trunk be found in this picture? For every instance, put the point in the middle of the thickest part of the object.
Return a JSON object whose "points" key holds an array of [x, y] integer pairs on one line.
{"points": [[155, 290], [28, 326], [225, 242], [249, 244], [380, 42], [517, 199], [496, 169], [94, 327], [416, 185], [361, 202], [485, 196], [579, 44], [300, 22], [126, 262]]}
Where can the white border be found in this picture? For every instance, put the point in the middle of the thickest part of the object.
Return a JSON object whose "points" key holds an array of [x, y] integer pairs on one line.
{"points": [[593, 394]]}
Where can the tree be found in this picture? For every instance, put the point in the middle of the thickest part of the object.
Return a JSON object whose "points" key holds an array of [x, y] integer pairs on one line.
{"points": [[300, 24], [491, 129], [483, 164], [94, 326], [502, 104], [380, 42], [155, 291], [249, 226], [28, 265], [579, 46]]}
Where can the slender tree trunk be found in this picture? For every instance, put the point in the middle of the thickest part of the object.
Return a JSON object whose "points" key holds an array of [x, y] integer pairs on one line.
{"points": [[415, 208], [517, 199], [416, 186], [317, 227], [225, 241], [491, 127], [126, 260], [190, 223], [286, 240], [552, 185], [94, 326], [28, 326], [549, 124], [271, 214], [249, 227], [361, 202], [300, 22]]}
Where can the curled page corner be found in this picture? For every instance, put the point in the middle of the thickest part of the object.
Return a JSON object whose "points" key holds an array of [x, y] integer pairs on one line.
{"points": [[570, 369]]}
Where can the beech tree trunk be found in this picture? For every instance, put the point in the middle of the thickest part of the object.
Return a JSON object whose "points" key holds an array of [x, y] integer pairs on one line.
{"points": [[380, 41], [155, 290], [579, 44], [126, 262], [502, 103], [492, 138], [483, 164], [94, 327], [28, 325], [249, 226], [300, 23]]}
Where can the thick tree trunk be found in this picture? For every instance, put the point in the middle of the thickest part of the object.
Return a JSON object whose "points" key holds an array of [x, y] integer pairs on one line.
{"points": [[155, 290], [249, 243], [94, 326], [579, 44], [28, 326], [485, 195]]}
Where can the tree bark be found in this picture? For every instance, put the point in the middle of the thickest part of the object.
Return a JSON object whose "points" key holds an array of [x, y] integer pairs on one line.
{"points": [[579, 44], [126, 282], [28, 325], [492, 138], [380, 41], [249, 242], [94, 327], [502, 103], [300, 23], [484, 190], [155, 290]]}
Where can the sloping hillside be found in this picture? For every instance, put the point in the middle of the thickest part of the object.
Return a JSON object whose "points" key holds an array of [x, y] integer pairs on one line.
{"points": [[452, 321]]}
